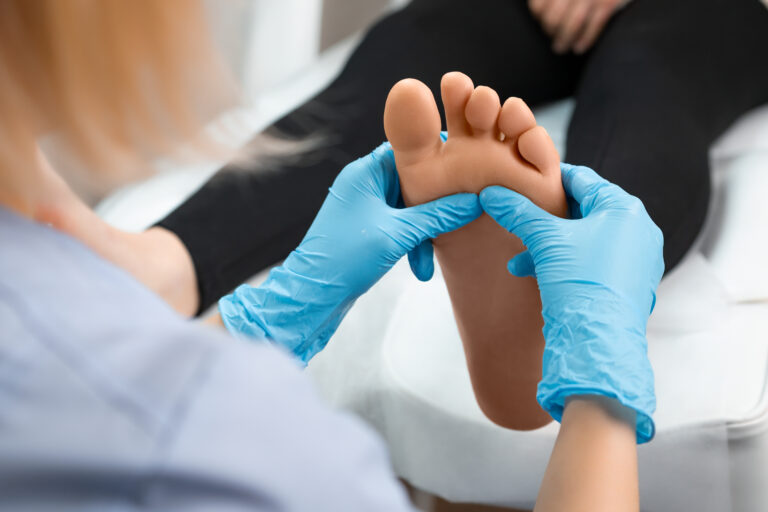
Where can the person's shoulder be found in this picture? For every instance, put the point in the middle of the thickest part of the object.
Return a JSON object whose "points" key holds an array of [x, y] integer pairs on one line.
{"points": [[84, 328], [107, 370]]}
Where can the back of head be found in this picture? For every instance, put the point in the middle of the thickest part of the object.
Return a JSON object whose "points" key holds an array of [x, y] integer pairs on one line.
{"points": [[114, 81]]}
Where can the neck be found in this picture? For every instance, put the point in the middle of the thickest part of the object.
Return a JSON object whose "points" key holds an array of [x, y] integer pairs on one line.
{"points": [[20, 190], [37, 192]]}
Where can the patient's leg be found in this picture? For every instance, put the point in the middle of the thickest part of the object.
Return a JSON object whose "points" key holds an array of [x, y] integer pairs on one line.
{"points": [[647, 122], [248, 217], [498, 315], [230, 226], [156, 257]]}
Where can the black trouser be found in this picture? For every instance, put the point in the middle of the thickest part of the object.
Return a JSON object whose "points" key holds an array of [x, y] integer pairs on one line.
{"points": [[663, 81]]}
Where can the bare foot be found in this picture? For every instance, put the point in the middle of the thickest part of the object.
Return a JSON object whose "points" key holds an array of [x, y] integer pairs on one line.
{"points": [[157, 258], [498, 315]]}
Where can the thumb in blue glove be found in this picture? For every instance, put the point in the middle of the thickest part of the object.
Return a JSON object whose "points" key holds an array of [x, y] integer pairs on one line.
{"points": [[358, 235], [422, 258], [597, 276]]}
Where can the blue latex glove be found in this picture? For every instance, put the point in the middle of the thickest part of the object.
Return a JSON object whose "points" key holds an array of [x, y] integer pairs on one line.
{"points": [[357, 236], [597, 276]]}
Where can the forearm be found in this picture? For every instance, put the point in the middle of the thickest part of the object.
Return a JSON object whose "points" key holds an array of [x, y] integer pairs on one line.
{"points": [[593, 466]]}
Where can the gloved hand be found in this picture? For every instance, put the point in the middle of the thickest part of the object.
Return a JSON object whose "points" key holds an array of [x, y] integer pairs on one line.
{"points": [[357, 236], [597, 277]]}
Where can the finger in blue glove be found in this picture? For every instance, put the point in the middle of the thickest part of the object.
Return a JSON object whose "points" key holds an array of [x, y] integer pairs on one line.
{"points": [[357, 236]]}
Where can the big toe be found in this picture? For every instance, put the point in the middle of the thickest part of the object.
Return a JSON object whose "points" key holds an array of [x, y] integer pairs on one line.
{"points": [[411, 118]]}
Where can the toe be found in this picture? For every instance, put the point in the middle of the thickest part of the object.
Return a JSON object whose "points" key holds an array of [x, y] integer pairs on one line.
{"points": [[411, 119], [482, 111], [456, 89], [537, 147], [515, 118]]}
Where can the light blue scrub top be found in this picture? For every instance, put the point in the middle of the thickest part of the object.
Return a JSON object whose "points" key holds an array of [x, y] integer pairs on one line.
{"points": [[110, 401]]}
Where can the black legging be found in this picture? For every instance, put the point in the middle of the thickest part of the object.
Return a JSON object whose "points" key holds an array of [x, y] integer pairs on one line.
{"points": [[663, 81]]}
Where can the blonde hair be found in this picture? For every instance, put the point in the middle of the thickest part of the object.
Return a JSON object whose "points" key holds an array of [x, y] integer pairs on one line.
{"points": [[115, 81]]}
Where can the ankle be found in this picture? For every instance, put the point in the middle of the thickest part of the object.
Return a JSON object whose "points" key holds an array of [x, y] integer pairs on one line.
{"points": [[163, 264], [157, 258]]}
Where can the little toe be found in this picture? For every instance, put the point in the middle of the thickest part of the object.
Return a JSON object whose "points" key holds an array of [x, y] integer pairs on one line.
{"points": [[411, 118], [456, 89], [537, 148], [482, 111], [515, 118]]}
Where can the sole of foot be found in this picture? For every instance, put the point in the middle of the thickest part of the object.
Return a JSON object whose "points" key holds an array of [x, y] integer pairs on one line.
{"points": [[498, 315]]}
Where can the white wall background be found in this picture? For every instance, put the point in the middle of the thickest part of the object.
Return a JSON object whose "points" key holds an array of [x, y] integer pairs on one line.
{"points": [[268, 42], [283, 52]]}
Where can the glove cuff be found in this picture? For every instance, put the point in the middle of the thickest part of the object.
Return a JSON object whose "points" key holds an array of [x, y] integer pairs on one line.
{"points": [[286, 310], [587, 353]]}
